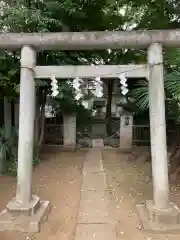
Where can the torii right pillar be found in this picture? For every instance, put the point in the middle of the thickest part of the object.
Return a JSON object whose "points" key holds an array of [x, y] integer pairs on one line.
{"points": [[158, 214]]}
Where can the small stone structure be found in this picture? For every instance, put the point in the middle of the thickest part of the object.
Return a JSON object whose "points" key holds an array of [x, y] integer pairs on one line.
{"points": [[69, 131], [126, 131]]}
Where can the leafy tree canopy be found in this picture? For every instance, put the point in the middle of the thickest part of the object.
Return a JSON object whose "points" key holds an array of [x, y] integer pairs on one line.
{"points": [[83, 15]]}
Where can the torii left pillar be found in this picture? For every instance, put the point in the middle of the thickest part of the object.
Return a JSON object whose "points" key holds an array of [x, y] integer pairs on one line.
{"points": [[25, 212]]}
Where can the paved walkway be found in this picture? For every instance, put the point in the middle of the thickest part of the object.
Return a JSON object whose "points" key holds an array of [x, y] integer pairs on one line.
{"points": [[93, 220]]}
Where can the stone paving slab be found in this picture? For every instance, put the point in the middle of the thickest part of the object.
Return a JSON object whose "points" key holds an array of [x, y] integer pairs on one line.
{"points": [[92, 167], [95, 231], [93, 207], [93, 161], [94, 154], [94, 181], [94, 221]]}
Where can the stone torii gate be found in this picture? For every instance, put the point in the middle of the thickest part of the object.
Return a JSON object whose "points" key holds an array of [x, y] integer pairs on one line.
{"points": [[26, 211]]}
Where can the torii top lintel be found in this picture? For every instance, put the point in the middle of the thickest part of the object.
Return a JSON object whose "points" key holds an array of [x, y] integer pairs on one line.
{"points": [[90, 40]]}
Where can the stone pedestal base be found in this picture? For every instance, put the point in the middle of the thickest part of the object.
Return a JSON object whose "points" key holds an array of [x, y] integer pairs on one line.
{"points": [[25, 218], [69, 148], [159, 220]]}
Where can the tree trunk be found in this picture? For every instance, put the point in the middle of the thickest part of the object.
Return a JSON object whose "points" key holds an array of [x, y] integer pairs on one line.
{"points": [[7, 118], [16, 114], [37, 117], [108, 107], [3, 163], [42, 121]]}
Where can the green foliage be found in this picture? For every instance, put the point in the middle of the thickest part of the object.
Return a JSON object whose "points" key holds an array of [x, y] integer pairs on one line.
{"points": [[9, 74], [140, 94], [4, 151], [66, 103], [36, 160], [172, 87], [8, 149], [13, 163], [172, 84], [172, 101], [57, 16], [22, 17], [155, 14], [88, 15], [9, 152]]}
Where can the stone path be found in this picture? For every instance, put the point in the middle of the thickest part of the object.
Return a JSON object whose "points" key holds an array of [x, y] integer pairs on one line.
{"points": [[93, 220]]}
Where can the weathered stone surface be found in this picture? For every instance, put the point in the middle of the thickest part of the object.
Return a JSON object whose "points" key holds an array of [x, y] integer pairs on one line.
{"points": [[94, 181], [126, 133], [69, 129], [93, 161], [95, 231], [92, 167], [68, 148], [158, 126], [170, 215], [94, 221], [30, 209], [87, 71], [26, 125], [97, 143], [90, 40], [158, 220], [93, 207], [25, 223]]}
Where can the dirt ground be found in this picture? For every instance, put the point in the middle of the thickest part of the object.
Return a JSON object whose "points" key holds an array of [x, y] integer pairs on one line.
{"points": [[57, 179], [129, 182]]}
